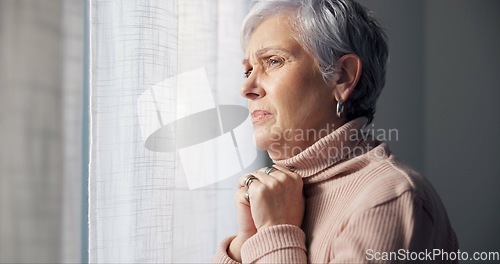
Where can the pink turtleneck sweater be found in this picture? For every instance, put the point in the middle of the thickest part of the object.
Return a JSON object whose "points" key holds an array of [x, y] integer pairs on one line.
{"points": [[361, 205]]}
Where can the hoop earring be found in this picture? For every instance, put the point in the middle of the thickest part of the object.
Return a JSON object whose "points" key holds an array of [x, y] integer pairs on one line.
{"points": [[340, 107]]}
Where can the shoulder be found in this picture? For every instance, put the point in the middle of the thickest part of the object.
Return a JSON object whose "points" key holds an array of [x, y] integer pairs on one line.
{"points": [[396, 193], [386, 178]]}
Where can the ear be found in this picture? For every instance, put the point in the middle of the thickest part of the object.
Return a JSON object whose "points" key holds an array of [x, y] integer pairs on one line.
{"points": [[350, 67]]}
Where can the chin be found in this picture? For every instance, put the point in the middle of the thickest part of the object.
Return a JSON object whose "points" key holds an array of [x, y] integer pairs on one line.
{"points": [[273, 148], [265, 140], [261, 142]]}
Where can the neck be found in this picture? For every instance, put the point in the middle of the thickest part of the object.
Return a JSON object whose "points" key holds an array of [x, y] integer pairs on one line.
{"points": [[343, 143], [297, 140]]}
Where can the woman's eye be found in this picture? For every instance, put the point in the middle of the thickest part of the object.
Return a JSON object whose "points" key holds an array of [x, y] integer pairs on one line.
{"points": [[247, 73], [273, 61]]}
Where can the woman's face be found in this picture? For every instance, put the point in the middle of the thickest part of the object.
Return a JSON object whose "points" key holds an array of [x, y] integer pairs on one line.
{"points": [[290, 103]]}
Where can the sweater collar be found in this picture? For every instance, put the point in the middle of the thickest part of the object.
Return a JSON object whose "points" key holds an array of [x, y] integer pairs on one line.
{"points": [[327, 151]]}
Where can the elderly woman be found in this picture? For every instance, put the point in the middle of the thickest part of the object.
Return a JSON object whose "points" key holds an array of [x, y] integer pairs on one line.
{"points": [[314, 70]]}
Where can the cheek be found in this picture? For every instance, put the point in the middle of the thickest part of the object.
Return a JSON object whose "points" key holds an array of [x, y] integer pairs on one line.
{"points": [[295, 98], [288, 100]]}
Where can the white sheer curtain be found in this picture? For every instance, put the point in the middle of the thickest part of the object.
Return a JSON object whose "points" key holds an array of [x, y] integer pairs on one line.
{"points": [[169, 133], [41, 83]]}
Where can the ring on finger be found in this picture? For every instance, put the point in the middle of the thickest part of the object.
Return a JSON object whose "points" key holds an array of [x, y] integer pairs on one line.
{"points": [[247, 196], [270, 169], [249, 180]]}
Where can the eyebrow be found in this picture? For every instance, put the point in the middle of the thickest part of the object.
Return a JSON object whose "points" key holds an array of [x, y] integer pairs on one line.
{"points": [[263, 51]]}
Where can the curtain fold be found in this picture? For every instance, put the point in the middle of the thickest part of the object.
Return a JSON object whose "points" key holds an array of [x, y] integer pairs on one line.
{"points": [[170, 133]]}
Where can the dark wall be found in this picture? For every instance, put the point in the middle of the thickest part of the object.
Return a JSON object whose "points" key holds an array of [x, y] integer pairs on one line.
{"points": [[442, 93]]}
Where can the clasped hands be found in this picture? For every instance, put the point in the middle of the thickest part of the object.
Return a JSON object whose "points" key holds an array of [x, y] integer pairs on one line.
{"points": [[273, 197]]}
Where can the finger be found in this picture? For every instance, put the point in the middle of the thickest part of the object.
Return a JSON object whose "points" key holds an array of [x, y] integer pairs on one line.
{"points": [[240, 196], [276, 174], [242, 179], [266, 179], [288, 172], [268, 170], [283, 178], [255, 189]]}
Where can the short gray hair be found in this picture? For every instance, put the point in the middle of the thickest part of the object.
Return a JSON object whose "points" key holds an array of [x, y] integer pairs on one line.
{"points": [[329, 29]]}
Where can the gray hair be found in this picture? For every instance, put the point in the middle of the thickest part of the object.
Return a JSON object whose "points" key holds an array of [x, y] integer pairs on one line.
{"points": [[329, 29]]}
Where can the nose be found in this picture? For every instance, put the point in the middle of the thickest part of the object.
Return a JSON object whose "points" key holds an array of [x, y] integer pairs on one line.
{"points": [[251, 89]]}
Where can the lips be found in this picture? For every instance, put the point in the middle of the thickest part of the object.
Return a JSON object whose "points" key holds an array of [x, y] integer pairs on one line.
{"points": [[259, 115]]}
